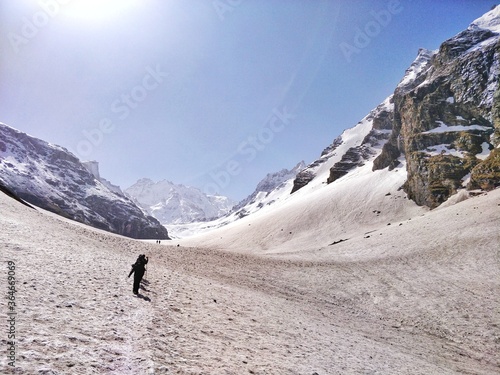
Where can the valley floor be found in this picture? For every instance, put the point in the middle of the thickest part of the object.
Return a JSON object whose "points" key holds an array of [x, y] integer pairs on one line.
{"points": [[422, 297]]}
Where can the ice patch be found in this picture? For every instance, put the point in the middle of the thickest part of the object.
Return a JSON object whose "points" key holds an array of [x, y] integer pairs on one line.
{"points": [[443, 128], [444, 150], [485, 152]]}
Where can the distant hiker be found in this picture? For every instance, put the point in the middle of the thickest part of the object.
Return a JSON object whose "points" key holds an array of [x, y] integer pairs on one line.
{"points": [[138, 269]]}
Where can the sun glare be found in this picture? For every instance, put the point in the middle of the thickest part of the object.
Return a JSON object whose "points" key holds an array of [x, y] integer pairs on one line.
{"points": [[96, 10]]}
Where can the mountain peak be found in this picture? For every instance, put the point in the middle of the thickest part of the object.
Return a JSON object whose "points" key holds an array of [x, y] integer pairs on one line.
{"points": [[50, 177], [176, 203], [489, 21]]}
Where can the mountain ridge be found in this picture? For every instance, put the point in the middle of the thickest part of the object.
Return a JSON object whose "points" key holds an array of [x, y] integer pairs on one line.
{"points": [[433, 139], [52, 178], [176, 203]]}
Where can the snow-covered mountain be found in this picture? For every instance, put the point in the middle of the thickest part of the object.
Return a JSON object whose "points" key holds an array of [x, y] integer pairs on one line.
{"points": [[446, 120], [270, 188], [177, 204], [186, 209], [383, 260], [432, 141], [52, 178]]}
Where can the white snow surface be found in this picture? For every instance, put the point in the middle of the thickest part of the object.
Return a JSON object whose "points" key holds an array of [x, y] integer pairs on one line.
{"points": [[443, 128], [489, 21], [280, 197], [483, 155], [419, 296], [445, 149]]}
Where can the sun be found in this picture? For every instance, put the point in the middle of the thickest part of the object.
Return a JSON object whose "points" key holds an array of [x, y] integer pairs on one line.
{"points": [[96, 10]]}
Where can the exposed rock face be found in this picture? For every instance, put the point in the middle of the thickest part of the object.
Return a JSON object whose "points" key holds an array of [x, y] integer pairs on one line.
{"points": [[495, 114], [306, 175], [353, 148], [354, 157], [381, 119], [269, 183], [302, 179], [446, 117], [486, 175], [52, 178]]}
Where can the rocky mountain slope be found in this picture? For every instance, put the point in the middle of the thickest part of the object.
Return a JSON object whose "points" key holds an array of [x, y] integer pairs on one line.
{"points": [[267, 190], [435, 140], [52, 178], [272, 188], [443, 119], [177, 204]]}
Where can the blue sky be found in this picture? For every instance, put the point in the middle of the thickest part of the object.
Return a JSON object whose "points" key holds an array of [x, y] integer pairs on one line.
{"points": [[212, 94]]}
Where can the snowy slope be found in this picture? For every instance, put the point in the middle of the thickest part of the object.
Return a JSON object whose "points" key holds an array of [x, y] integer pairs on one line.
{"points": [[345, 277], [271, 189], [488, 21], [320, 214], [368, 163], [419, 298], [281, 212]]}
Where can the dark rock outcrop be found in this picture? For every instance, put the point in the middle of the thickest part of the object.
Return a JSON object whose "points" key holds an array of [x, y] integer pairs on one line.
{"points": [[308, 173], [302, 179], [4, 189], [354, 157]]}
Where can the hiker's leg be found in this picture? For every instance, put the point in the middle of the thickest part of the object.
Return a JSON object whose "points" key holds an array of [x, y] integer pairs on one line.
{"points": [[137, 281]]}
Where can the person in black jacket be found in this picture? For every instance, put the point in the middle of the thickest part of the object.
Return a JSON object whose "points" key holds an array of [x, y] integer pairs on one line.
{"points": [[138, 270]]}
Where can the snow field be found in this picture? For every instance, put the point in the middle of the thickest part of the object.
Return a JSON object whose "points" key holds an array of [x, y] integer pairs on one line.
{"points": [[416, 298]]}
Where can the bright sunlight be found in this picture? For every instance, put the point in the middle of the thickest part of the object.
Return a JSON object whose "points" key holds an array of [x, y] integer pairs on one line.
{"points": [[96, 10]]}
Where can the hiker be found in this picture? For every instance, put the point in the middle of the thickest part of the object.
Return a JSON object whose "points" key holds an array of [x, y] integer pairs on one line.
{"points": [[138, 270]]}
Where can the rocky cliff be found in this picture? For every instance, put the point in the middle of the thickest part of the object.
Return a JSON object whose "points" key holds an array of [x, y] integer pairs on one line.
{"points": [[50, 177], [446, 116], [443, 121]]}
